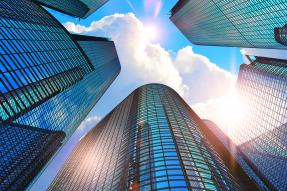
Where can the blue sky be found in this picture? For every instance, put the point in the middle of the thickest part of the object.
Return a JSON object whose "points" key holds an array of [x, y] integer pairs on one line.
{"points": [[217, 66]]}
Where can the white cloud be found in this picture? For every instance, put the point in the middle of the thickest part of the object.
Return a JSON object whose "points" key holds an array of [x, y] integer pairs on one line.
{"points": [[142, 61], [202, 83], [225, 111], [204, 79], [89, 122]]}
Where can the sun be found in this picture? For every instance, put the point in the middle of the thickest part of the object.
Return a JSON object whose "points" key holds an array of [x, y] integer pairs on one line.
{"points": [[231, 112], [151, 32]]}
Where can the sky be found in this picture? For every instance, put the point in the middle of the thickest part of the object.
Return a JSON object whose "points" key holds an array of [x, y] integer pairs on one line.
{"points": [[151, 49]]}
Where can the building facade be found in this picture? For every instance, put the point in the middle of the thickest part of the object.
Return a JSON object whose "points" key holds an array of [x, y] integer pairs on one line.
{"points": [[24, 150], [261, 134], [49, 81], [235, 23], [151, 141], [237, 154], [76, 8]]}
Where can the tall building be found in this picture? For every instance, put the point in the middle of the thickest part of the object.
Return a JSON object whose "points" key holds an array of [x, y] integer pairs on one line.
{"points": [[262, 132], [151, 141], [235, 23], [238, 155], [24, 150], [49, 81], [76, 8]]}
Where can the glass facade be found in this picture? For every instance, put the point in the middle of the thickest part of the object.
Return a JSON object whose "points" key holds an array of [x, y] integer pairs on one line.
{"points": [[23, 152], [261, 135], [235, 23], [237, 154], [76, 8], [150, 141], [35, 58], [49, 81], [67, 110]]}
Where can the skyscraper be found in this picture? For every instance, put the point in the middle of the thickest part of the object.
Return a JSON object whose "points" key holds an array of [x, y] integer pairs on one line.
{"points": [[236, 23], [76, 8], [151, 141], [48, 84], [24, 150], [238, 155], [261, 134]]}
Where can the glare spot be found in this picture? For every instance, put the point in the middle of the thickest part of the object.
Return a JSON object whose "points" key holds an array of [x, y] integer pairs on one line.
{"points": [[151, 32], [232, 112]]}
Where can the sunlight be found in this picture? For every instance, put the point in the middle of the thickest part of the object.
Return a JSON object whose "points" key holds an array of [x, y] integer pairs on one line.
{"points": [[151, 32], [153, 6], [231, 112]]}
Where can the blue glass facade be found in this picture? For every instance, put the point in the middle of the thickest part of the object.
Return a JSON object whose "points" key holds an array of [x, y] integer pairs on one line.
{"points": [[35, 58], [261, 134], [235, 23], [150, 141], [48, 84], [76, 8], [67, 110], [24, 150]]}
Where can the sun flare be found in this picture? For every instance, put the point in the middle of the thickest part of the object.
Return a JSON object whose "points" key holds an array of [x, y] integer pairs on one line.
{"points": [[231, 112], [151, 32]]}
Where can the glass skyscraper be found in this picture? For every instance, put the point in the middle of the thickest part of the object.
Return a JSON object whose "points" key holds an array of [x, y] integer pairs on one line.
{"points": [[76, 8], [24, 150], [237, 154], [252, 23], [151, 141], [262, 132], [49, 81]]}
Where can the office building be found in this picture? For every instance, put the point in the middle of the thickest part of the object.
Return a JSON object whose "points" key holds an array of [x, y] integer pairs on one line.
{"points": [[48, 84], [261, 134], [238, 155], [76, 8], [236, 23], [151, 141], [24, 150]]}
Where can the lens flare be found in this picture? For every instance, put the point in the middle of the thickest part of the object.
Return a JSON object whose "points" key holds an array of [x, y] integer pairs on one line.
{"points": [[231, 112], [151, 32], [153, 6]]}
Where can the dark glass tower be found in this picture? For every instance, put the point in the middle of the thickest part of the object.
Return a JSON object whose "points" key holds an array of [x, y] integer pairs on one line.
{"points": [[24, 150], [49, 81], [235, 23], [76, 8], [261, 134], [281, 35], [150, 141]]}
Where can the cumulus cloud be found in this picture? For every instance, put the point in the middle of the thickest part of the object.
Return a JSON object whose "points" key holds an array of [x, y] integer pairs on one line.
{"points": [[89, 123], [204, 79], [202, 83], [86, 126], [142, 61]]}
